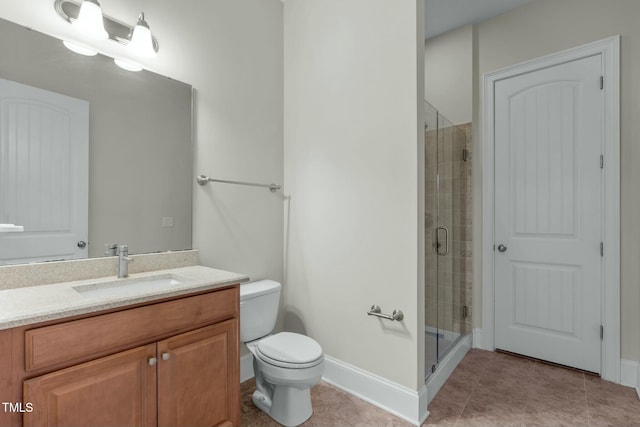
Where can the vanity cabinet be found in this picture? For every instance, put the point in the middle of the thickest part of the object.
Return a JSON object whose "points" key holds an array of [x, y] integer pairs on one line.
{"points": [[172, 363], [117, 390], [197, 385]]}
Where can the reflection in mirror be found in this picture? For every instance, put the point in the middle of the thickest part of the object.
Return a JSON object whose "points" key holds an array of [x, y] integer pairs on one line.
{"points": [[43, 179], [140, 152]]}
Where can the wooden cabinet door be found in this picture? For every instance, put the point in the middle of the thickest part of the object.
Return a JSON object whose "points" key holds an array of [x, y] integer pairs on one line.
{"points": [[199, 377], [117, 390]]}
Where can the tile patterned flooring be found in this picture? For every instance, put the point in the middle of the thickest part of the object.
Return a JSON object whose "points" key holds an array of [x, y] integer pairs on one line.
{"points": [[486, 389], [331, 407], [496, 389]]}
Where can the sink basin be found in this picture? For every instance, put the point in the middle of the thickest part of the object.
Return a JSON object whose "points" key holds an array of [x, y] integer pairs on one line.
{"points": [[131, 285]]}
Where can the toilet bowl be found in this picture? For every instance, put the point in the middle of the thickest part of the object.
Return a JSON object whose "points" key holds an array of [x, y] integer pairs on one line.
{"points": [[286, 365]]}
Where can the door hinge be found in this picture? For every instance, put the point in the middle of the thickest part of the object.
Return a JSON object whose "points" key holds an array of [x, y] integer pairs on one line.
{"points": [[601, 161], [601, 332], [601, 82], [601, 249]]}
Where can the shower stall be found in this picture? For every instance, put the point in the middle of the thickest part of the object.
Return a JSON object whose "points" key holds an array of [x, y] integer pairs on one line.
{"points": [[447, 236]]}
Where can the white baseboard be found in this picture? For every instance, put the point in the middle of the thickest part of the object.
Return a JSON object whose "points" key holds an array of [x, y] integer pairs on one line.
{"points": [[246, 367], [396, 399], [630, 374], [638, 383], [477, 338], [401, 401]]}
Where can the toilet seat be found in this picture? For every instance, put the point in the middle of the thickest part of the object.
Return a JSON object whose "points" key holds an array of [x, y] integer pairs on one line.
{"points": [[289, 350]]}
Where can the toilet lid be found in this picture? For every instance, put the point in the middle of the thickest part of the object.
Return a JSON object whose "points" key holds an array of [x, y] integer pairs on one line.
{"points": [[290, 348]]}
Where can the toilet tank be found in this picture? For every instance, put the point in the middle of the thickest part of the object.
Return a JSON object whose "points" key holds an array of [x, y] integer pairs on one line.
{"points": [[259, 302]]}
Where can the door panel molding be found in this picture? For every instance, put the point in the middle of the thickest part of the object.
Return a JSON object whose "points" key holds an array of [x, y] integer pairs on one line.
{"points": [[609, 49]]}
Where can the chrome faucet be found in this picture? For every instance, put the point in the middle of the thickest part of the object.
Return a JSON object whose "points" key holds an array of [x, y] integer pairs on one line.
{"points": [[123, 261]]}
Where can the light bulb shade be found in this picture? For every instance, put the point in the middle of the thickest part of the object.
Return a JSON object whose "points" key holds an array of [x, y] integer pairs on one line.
{"points": [[78, 48], [141, 44], [90, 22], [126, 65]]}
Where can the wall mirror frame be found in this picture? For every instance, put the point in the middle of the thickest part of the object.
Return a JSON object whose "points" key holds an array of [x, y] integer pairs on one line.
{"points": [[140, 141]]}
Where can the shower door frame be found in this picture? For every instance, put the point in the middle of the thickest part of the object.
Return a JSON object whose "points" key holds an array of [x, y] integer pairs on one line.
{"points": [[445, 139], [609, 49]]}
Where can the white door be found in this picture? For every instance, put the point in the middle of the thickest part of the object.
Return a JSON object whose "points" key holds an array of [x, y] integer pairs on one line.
{"points": [[548, 213], [44, 156]]}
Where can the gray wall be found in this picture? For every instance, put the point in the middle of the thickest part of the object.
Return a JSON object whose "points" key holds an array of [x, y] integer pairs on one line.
{"points": [[352, 174], [448, 64]]}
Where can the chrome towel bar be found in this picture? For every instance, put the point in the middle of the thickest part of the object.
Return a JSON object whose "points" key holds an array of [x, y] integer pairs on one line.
{"points": [[203, 179], [375, 310]]}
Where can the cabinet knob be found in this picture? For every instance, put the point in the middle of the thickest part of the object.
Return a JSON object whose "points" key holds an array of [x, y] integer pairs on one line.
{"points": [[152, 361], [166, 356]]}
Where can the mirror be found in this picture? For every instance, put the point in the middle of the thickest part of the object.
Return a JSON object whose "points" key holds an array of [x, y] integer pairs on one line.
{"points": [[140, 144]]}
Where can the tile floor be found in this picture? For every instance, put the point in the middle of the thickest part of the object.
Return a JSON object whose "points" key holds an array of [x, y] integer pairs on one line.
{"points": [[486, 389], [495, 389], [331, 407]]}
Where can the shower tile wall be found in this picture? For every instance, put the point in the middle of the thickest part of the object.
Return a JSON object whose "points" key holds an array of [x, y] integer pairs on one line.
{"points": [[444, 305]]}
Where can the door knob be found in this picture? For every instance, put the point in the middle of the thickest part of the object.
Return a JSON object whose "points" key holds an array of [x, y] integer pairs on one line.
{"points": [[165, 356], [82, 244], [152, 361], [502, 248]]}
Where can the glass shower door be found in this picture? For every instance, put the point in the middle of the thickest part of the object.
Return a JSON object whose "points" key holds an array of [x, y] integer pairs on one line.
{"points": [[445, 198], [444, 237]]}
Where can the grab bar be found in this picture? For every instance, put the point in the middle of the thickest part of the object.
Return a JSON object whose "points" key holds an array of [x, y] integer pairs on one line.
{"points": [[375, 310], [203, 179]]}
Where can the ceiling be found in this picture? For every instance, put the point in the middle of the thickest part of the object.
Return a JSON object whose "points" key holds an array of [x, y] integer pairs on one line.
{"points": [[446, 15]]}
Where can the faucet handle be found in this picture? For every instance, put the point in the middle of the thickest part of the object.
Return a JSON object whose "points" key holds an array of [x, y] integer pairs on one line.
{"points": [[110, 249]]}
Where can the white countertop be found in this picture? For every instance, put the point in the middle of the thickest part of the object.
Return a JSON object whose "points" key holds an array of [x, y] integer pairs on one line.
{"points": [[34, 304], [11, 228]]}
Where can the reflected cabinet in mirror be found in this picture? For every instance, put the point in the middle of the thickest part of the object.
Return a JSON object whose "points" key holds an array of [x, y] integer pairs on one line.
{"points": [[85, 145]]}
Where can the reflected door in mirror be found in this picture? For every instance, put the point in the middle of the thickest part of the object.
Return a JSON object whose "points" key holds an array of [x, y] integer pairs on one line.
{"points": [[44, 152]]}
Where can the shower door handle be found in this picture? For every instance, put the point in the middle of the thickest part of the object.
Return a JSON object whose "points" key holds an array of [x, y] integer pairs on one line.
{"points": [[446, 240]]}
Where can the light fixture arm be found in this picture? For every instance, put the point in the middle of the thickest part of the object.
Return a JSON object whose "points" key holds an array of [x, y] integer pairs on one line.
{"points": [[118, 31], [141, 21]]}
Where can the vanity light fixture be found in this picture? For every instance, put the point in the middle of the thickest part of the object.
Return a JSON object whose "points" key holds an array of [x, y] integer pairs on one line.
{"points": [[126, 65], [93, 26], [141, 43], [90, 22], [78, 48]]}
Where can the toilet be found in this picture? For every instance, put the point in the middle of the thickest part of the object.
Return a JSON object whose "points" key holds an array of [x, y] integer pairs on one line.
{"points": [[286, 365]]}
